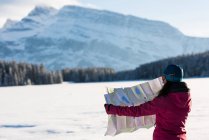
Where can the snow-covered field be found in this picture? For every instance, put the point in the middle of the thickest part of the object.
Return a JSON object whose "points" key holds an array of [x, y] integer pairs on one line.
{"points": [[75, 112]]}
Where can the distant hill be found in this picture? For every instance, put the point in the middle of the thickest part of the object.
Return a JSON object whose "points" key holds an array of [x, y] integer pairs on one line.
{"points": [[78, 37], [194, 65]]}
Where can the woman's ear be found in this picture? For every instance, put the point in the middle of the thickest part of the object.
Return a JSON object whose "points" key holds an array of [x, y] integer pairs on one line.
{"points": [[164, 80]]}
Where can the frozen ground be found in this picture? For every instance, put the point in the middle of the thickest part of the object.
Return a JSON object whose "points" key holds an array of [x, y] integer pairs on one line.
{"points": [[75, 112]]}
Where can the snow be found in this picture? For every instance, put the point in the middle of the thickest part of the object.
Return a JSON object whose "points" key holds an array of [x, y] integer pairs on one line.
{"points": [[75, 111], [28, 26], [9, 23]]}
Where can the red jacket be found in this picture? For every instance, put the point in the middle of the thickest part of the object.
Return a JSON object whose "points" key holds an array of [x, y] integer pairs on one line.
{"points": [[171, 114]]}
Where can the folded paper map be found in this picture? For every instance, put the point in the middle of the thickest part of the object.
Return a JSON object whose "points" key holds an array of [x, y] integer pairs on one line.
{"points": [[131, 96]]}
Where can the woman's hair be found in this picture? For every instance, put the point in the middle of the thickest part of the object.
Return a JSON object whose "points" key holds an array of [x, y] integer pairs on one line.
{"points": [[173, 87]]}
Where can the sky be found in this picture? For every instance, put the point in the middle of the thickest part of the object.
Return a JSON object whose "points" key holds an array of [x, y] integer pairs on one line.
{"points": [[190, 16]]}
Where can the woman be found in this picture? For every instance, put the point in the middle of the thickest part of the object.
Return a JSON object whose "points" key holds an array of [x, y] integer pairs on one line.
{"points": [[171, 107]]}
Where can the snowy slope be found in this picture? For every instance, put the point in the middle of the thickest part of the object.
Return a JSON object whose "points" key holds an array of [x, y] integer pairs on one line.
{"points": [[80, 37], [75, 112], [9, 23]]}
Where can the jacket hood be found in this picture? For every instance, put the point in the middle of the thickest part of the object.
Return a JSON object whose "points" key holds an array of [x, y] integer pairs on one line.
{"points": [[178, 87]]}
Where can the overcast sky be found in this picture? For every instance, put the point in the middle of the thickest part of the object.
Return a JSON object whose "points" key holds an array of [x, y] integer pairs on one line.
{"points": [[189, 16]]}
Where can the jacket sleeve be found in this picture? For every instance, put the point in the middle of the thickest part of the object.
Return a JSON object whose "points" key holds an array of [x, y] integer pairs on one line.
{"points": [[148, 108]]}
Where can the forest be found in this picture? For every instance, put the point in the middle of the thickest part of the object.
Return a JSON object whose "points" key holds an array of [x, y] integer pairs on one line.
{"points": [[13, 73]]}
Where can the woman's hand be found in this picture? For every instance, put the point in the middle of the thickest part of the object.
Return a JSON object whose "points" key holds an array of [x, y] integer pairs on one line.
{"points": [[108, 108]]}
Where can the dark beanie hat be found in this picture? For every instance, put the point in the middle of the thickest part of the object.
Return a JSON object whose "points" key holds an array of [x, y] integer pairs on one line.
{"points": [[173, 73]]}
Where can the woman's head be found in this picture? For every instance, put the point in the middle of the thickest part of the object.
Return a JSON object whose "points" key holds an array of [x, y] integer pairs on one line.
{"points": [[173, 73], [172, 78]]}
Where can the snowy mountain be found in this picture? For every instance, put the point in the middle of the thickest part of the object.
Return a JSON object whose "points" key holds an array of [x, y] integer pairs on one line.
{"points": [[9, 23], [81, 37]]}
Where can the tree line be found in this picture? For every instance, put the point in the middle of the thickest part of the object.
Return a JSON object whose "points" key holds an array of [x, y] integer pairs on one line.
{"points": [[88, 74], [194, 65], [13, 73]]}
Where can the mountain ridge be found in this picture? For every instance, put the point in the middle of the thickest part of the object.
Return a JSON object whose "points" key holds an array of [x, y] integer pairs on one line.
{"points": [[74, 36]]}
